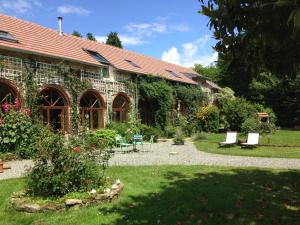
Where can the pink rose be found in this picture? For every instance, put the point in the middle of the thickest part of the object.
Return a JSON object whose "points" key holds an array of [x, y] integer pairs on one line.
{"points": [[27, 112], [17, 104]]}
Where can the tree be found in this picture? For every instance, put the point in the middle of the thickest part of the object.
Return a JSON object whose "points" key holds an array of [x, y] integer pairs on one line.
{"points": [[211, 72], [256, 35], [90, 37], [76, 34], [114, 40]]}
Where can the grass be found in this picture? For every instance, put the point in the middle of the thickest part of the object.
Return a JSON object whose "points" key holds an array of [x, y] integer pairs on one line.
{"points": [[277, 145], [180, 195]]}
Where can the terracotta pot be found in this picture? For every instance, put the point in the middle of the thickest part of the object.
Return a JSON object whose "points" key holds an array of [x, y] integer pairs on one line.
{"points": [[1, 167]]}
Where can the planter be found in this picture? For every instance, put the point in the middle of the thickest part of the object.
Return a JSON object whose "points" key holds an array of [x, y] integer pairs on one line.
{"points": [[1, 167]]}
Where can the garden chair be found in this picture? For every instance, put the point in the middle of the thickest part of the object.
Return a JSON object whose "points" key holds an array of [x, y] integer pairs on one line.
{"points": [[150, 142], [252, 140], [122, 144], [138, 140], [230, 139]]}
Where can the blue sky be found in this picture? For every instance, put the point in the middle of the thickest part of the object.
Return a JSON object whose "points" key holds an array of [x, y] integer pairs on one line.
{"points": [[171, 30]]}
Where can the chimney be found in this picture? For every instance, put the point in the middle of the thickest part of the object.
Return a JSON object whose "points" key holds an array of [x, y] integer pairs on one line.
{"points": [[60, 25]]}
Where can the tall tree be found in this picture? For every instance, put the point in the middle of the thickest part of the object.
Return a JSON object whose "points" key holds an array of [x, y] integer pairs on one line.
{"points": [[90, 37], [211, 72], [114, 40], [256, 34], [76, 34]]}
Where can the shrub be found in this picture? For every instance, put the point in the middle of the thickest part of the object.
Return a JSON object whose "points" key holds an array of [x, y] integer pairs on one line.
{"points": [[236, 111], [101, 139], [179, 138], [148, 131], [17, 132], [253, 124], [208, 118], [170, 131], [60, 169]]}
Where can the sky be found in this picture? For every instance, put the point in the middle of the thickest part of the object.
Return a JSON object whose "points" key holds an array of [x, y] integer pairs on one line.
{"points": [[171, 30]]}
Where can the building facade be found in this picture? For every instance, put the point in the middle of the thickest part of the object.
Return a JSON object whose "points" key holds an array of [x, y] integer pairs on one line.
{"points": [[32, 53]]}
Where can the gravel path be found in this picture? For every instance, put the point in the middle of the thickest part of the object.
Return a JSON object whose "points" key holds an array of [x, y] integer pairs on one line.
{"points": [[18, 169], [188, 155], [166, 153]]}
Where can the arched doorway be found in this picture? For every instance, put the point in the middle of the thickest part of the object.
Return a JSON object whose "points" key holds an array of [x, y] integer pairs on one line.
{"points": [[92, 110], [121, 108], [54, 109], [8, 94], [145, 112]]}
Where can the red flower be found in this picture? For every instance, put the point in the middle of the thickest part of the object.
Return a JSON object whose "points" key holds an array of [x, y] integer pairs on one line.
{"points": [[76, 149], [5, 107], [27, 112], [17, 104]]}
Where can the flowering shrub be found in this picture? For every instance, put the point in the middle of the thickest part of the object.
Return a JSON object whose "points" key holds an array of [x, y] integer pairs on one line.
{"points": [[61, 168], [208, 118], [17, 132]]}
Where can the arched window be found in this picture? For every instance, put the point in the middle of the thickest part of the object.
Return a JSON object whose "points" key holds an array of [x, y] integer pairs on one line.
{"points": [[53, 105], [8, 94], [92, 110], [121, 108]]}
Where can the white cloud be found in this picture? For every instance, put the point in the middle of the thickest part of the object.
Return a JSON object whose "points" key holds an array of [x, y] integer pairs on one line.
{"points": [[145, 29], [18, 6], [191, 53], [172, 55], [71, 9], [101, 38], [126, 40], [181, 27]]}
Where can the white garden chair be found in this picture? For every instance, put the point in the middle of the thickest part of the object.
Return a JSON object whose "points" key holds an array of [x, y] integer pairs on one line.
{"points": [[230, 139], [252, 141]]}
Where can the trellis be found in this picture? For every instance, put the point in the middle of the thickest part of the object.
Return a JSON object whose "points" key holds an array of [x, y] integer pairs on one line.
{"points": [[48, 74], [11, 68]]}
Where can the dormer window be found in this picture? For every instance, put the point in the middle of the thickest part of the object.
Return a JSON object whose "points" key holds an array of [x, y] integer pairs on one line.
{"points": [[173, 73], [132, 63], [97, 56], [7, 36]]}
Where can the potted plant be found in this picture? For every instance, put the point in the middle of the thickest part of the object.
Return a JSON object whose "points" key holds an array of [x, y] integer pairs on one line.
{"points": [[179, 138]]}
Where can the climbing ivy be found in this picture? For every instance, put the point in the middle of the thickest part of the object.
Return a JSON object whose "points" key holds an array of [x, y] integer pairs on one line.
{"points": [[192, 97], [161, 95], [31, 94], [75, 85]]}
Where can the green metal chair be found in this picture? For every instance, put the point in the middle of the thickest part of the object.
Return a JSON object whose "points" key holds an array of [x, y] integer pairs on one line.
{"points": [[138, 140], [122, 145]]}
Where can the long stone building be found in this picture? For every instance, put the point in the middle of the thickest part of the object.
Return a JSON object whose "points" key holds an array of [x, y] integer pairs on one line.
{"points": [[112, 73]]}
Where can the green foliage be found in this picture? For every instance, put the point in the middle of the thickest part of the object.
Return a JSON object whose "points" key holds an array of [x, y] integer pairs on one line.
{"points": [[76, 34], [236, 111], [257, 34], [170, 131], [191, 97], [161, 96], [148, 131], [90, 37], [60, 169], [114, 40], [18, 134], [179, 138], [101, 139], [211, 72], [208, 118]]}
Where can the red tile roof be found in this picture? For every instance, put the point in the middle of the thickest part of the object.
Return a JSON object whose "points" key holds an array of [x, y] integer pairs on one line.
{"points": [[37, 39]]}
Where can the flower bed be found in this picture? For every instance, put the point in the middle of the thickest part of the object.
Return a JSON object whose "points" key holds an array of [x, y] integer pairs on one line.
{"points": [[24, 203]]}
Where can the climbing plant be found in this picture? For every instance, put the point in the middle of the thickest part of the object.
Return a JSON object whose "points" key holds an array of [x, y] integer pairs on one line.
{"points": [[161, 95], [192, 97], [75, 85]]}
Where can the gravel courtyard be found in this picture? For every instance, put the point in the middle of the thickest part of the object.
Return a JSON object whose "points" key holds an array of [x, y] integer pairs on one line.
{"points": [[165, 153]]}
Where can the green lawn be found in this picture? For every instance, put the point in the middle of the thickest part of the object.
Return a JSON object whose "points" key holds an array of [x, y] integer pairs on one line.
{"points": [[180, 195], [277, 148]]}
